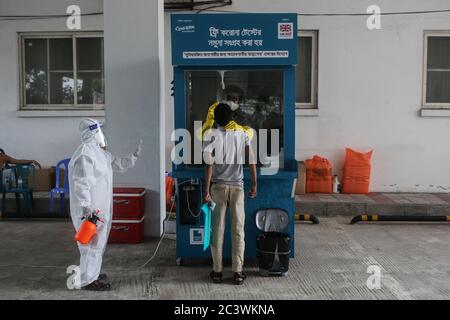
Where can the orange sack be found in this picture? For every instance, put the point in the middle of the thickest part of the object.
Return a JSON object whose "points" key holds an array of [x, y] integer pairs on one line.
{"points": [[356, 172], [319, 175]]}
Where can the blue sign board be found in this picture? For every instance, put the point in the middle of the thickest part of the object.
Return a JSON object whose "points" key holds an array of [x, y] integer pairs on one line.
{"points": [[234, 39]]}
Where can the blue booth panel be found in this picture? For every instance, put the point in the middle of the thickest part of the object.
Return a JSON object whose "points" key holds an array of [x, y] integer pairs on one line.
{"points": [[256, 53]]}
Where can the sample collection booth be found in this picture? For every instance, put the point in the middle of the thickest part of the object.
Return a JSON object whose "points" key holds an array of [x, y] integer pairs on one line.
{"points": [[254, 55]]}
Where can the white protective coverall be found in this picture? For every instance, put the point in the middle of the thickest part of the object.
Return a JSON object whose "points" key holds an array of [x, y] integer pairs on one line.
{"points": [[91, 185]]}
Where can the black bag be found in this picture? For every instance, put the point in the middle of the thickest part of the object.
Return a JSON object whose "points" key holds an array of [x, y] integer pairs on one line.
{"points": [[273, 252]]}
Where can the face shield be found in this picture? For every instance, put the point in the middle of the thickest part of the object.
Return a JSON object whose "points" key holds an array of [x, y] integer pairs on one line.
{"points": [[99, 137], [91, 130]]}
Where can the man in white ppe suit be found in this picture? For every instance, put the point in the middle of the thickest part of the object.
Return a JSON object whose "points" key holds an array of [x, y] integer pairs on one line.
{"points": [[91, 188]]}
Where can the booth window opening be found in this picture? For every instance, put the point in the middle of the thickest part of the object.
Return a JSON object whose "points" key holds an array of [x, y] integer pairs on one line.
{"points": [[259, 94], [306, 71]]}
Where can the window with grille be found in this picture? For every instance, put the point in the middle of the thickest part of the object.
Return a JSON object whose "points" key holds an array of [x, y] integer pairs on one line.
{"points": [[62, 71]]}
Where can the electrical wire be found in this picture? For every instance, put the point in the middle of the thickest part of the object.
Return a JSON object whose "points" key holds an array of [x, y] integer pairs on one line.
{"points": [[219, 5], [195, 215], [140, 267], [168, 219], [161, 239], [154, 252], [178, 5], [190, 5], [370, 14], [346, 14], [54, 16]]}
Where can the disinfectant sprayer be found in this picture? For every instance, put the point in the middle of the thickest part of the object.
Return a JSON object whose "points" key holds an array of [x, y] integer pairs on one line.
{"points": [[88, 228]]}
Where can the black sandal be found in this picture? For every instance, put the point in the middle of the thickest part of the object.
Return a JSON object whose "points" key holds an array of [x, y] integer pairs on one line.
{"points": [[98, 285], [239, 278], [102, 276], [216, 277]]}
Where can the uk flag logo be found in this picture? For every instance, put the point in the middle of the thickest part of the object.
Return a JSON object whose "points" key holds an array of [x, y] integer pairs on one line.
{"points": [[285, 30]]}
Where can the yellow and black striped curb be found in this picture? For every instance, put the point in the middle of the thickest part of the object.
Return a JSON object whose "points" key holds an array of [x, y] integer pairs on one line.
{"points": [[306, 217], [399, 218]]}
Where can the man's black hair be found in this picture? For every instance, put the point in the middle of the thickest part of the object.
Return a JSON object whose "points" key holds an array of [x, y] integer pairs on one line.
{"points": [[223, 114], [233, 89]]}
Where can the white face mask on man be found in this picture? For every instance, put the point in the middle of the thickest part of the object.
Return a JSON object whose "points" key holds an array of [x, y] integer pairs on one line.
{"points": [[233, 105]]}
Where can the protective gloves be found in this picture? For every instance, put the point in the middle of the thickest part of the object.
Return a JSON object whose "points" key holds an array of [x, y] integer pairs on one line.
{"points": [[87, 212]]}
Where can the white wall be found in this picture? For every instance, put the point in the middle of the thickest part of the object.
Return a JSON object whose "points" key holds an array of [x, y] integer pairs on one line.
{"points": [[132, 90], [44, 139], [370, 91]]}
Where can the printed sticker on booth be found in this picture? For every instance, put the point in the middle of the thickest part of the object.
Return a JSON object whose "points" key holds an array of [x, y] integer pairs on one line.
{"points": [[196, 236], [286, 30]]}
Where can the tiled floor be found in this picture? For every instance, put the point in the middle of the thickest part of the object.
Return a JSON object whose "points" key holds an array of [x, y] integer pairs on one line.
{"points": [[331, 262]]}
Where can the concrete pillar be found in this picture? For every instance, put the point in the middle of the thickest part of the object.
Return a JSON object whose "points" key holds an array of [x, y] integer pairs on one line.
{"points": [[133, 107]]}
